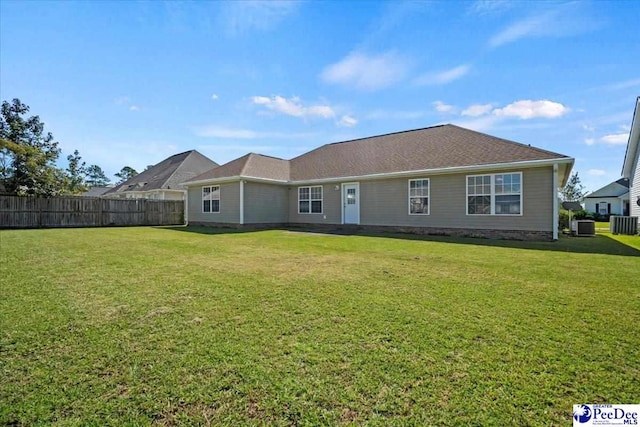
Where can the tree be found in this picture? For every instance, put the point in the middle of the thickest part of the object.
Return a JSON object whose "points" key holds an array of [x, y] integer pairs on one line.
{"points": [[574, 190], [27, 154], [125, 174], [96, 177], [76, 172]]}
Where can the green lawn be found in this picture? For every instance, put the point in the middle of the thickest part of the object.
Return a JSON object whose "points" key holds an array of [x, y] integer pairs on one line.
{"points": [[143, 326]]}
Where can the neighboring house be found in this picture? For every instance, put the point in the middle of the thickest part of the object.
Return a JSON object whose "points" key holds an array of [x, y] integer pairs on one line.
{"points": [[443, 179], [163, 181], [96, 191], [631, 165], [612, 199]]}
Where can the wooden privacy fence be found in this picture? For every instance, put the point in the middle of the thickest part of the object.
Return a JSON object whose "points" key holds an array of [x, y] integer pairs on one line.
{"points": [[37, 212]]}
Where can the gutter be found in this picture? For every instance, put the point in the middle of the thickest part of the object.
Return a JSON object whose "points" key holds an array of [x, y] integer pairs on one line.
{"points": [[437, 171]]}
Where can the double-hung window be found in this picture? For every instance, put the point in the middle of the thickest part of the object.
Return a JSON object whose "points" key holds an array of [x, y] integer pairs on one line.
{"points": [[494, 194], [211, 199], [310, 199], [419, 196], [603, 208]]}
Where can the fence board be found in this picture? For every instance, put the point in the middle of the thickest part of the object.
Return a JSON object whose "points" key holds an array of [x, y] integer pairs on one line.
{"points": [[37, 212]]}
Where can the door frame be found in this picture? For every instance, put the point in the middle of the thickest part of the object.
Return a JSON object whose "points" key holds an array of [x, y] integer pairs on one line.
{"points": [[343, 200]]}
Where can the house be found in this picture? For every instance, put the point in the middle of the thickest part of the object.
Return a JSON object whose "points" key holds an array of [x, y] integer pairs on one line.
{"points": [[631, 165], [612, 199], [96, 191], [163, 180], [438, 180]]}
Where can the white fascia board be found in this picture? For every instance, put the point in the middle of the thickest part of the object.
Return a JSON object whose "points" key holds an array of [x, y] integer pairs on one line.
{"points": [[567, 162], [633, 146], [234, 179]]}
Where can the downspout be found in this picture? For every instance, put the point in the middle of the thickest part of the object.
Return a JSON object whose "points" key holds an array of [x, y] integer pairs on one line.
{"points": [[186, 206], [555, 221], [241, 202]]}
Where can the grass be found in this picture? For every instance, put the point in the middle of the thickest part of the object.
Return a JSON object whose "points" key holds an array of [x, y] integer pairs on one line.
{"points": [[158, 326], [602, 225]]}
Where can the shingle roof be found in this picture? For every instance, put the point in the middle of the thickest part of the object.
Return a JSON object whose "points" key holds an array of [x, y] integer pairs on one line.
{"points": [[623, 181], [95, 191], [437, 147], [614, 189], [168, 174], [250, 165]]}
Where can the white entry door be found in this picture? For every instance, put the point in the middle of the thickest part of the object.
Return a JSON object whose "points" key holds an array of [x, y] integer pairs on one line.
{"points": [[351, 203]]}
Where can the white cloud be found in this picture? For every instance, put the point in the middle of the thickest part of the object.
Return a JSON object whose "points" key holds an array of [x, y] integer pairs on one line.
{"points": [[589, 141], [214, 97], [624, 85], [347, 121], [528, 109], [293, 107], [366, 72], [223, 132], [519, 29], [241, 17], [441, 107], [487, 7], [477, 110], [616, 138], [442, 77], [480, 124], [596, 172], [565, 20], [126, 102]]}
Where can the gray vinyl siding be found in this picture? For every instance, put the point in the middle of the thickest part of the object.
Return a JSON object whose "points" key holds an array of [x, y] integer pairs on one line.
{"points": [[634, 191], [229, 205], [385, 202], [265, 203], [331, 207]]}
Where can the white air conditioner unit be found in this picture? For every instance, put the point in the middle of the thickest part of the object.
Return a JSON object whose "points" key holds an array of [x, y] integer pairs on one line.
{"points": [[583, 228], [623, 225]]}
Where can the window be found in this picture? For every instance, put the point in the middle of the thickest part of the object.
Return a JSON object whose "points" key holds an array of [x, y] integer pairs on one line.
{"points": [[310, 199], [497, 194], [603, 208], [419, 197], [211, 199]]}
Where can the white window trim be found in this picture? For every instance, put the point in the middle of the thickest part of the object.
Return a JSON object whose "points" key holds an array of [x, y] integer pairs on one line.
{"points": [[493, 194], [606, 208], [321, 199], [211, 187], [428, 196]]}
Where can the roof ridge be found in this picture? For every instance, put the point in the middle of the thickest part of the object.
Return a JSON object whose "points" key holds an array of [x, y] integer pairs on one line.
{"points": [[179, 166], [371, 137], [267, 155]]}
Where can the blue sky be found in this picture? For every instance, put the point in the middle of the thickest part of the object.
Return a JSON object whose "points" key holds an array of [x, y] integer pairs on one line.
{"points": [[130, 83]]}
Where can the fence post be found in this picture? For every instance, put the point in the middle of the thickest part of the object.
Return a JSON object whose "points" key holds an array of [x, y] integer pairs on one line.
{"points": [[99, 212], [39, 202]]}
